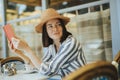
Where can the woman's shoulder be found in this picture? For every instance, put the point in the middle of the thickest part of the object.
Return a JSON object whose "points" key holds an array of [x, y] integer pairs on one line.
{"points": [[49, 47], [69, 39]]}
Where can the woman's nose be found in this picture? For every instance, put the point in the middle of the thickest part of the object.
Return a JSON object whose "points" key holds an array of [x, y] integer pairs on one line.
{"points": [[55, 28]]}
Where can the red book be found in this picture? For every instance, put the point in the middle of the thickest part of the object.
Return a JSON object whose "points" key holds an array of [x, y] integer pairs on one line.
{"points": [[9, 31]]}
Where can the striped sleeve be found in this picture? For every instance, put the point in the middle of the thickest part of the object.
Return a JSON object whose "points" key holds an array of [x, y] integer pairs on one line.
{"points": [[47, 55], [67, 50]]}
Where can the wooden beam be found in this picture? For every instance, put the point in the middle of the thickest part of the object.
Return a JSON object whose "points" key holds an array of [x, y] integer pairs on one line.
{"points": [[27, 2]]}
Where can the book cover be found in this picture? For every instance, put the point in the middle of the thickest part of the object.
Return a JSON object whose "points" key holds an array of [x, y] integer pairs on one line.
{"points": [[9, 31]]}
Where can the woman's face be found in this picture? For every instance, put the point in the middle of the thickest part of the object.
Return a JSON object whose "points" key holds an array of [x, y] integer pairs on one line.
{"points": [[54, 29]]}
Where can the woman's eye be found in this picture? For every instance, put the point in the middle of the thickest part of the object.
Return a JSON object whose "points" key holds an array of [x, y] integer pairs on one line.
{"points": [[50, 26], [59, 24]]}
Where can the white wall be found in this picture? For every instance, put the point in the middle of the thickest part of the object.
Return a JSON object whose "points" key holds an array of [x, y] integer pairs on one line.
{"points": [[115, 25]]}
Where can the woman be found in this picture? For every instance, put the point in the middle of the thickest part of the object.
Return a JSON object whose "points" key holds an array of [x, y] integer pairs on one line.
{"points": [[64, 53]]}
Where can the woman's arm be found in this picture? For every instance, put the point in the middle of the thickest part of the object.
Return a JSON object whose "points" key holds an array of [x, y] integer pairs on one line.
{"points": [[33, 57], [25, 58], [20, 54], [30, 56]]}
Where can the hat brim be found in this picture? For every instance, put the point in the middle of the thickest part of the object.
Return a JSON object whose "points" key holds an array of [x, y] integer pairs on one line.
{"points": [[39, 27]]}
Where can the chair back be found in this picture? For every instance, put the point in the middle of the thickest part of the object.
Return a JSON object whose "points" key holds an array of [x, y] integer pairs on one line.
{"points": [[1, 59], [15, 59], [100, 70], [117, 57], [116, 62]]}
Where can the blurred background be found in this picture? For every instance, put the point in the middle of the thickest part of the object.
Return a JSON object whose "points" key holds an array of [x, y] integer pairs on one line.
{"points": [[94, 23]]}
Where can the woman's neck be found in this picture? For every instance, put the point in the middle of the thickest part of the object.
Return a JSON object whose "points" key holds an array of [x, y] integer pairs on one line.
{"points": [[57, 46]]}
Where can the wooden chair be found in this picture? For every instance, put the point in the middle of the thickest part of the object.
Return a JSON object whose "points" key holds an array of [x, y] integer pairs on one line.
{"points": [[1, 59], [117, 57], [11, 59], [116, 62], [17, 60], [94, 71]]}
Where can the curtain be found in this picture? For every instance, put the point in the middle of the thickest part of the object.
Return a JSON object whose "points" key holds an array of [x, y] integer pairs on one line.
{"points": [[93, 30]]}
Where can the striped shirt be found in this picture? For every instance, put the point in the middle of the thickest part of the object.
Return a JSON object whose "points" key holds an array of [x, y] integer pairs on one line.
{"points": [[69, 57]]}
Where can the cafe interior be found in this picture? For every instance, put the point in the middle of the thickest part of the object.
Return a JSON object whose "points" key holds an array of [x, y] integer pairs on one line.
{"points": [[94, 23]]}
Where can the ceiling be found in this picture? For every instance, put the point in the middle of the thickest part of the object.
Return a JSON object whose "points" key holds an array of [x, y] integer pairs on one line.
{"points": [[14, 11], [27, 2], [53, 3], [56, 4]]}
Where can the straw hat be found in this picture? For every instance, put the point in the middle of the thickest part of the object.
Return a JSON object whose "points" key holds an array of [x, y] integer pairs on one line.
{"points": [[47, 15]]}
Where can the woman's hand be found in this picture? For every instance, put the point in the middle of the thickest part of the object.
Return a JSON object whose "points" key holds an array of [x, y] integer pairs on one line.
{"points": [[19, 44], [19, 53], [14, 50]]}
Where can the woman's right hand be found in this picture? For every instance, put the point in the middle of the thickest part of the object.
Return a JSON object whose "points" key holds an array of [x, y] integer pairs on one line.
{"points": [[20, 44], [19, 53], [13, 49]]}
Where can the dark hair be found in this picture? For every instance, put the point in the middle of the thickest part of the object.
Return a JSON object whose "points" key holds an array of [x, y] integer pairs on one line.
{"points": [[47, 40]]}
